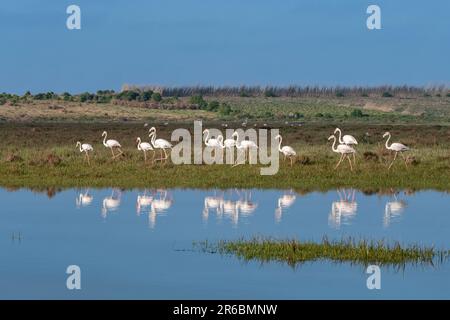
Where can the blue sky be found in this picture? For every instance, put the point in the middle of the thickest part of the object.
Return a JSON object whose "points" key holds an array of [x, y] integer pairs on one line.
{"points": [[227, 42]]}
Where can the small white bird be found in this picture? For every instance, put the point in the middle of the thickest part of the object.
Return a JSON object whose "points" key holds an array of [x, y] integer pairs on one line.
{"points": [[145, 146], [212, 142], [396, 147], [288, 151], [160, 144], [110, 143], [85, 147], [344, 150], [346, 139]]}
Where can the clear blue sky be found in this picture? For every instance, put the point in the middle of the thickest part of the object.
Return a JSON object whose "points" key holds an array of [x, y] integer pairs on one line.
{"points": [[226, 42]]}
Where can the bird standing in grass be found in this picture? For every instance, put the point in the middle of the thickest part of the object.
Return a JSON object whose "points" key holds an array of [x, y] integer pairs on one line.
{"points": [[244, 145], [347, 139], [396, 147], [160, 144], [344, 150], [110, 143], [145, 146], [288, 151], [85, 147]]}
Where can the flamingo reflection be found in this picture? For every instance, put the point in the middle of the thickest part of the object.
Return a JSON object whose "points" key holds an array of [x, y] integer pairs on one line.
{"points": [[212, 203], [159, 206], [344, 210], [111, 203], [393, 210], [143, 203], [84, 199], [284, 202]]}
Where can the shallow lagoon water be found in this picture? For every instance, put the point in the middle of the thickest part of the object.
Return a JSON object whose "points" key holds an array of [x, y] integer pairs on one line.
{"points": [[138, 244]]}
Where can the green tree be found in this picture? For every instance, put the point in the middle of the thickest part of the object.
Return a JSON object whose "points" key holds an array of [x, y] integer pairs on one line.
{"points": [[156, 96]]}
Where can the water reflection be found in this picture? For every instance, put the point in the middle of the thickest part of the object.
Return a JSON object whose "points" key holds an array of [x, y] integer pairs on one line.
{"points": [[284, 202], [111, 203], [159, 206], [230, 204], [344, 210], [84, 199], [393, 210]]}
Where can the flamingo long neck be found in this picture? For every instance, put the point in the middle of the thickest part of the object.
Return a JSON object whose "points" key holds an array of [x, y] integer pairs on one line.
{"points": [[387, 141], [104, 140], [279, 144], [340, 135], [139, 144], [79, 144], [334, 143]]}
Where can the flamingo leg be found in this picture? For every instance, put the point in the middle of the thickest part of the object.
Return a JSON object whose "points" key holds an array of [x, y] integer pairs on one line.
{"points": [[292, 161], [354, 158], [404, 158], [395, 157], [87, 158], [112, 151], [350, 161], [339, 162], [145, 157]]}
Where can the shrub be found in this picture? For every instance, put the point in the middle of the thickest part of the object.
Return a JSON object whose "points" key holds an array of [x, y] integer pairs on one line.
{"points": [[270, 93], [213, 105], [146, 95], [199, 101], [225, 109], [340, 94], [319, 115], [387, 94], [357, 113]]}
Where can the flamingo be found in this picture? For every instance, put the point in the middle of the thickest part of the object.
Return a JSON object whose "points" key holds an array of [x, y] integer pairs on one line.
{"points": [[344, 150], [397, 147], [110, 143], [284, 202], [111, 203], [160, 144], [288, 151], [85, 147], [346, 139], [245, 145], [145, 146]]}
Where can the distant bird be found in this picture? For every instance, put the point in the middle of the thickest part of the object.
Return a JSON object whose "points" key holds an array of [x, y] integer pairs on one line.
{"points": [[110, 143], [244, 145], [396, 147], [85, 147], [288, 151], [145, 146], [346, 139], [344, 150], [160, 144]]}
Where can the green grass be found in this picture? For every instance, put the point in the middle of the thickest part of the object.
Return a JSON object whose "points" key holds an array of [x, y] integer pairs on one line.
{"points": [[25, 151], [293, 252]]}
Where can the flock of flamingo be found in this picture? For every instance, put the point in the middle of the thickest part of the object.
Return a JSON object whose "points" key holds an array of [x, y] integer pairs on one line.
{"points": [[345, 148], [234, 204]]}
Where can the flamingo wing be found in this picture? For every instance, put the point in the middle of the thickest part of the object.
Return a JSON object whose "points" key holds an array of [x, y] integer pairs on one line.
{"points": [[162, 143], [398, 147], [113, 143], [289, 151], [343, 148], [348, 139], [86, 147]]}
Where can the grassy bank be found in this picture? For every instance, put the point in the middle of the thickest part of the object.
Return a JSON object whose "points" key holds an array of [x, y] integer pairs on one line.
{"points": [[45, 155], [294, 252]]}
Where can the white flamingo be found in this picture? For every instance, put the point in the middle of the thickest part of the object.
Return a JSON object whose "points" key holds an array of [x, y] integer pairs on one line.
{"points": [[145, 146], [346, 139], [396, 147], [110, 143], [212, 142], [344, 150], [85, 147], [160, 144], [287, 151], [244, 145]]}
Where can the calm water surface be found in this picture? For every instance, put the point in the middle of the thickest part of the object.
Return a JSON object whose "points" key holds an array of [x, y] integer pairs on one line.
{"points": [[129, 244]]}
